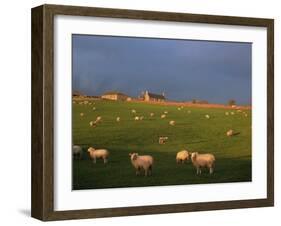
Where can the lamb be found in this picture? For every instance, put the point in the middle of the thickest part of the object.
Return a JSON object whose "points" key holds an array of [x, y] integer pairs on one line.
{"points": [[118, 119], [134, 111], [141, 117], [163, 116], [207, 116], [151, 114], [142, 162], [94, 108], [179, 109], [226, 113], [162, 140], [232, 113], [166, 112], [98, 119], [203, 160], [98, 154], [172, 123], [81, 114], [229, 133], [77, 151], [137, 118], [188, 111], [182, 156]]}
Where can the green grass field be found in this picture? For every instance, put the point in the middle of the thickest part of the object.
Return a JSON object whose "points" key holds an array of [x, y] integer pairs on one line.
{"points": [[192, 132]]}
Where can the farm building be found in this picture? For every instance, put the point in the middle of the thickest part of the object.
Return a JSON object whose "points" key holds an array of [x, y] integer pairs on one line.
{"points": [[147, 96], [113, 95]]}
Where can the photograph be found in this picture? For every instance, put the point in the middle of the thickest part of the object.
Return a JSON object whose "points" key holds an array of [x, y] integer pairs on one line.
{"points": [[152, 111]]}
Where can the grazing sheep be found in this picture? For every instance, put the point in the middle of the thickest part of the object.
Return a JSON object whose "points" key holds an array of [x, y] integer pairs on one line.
{"points": [[137, 118], [172, 123], [229, 133], [227, 113], [77, 151], [179, 109], [98, 154], [182, 156], [151, 114], [203, 160], [141, 117], [98, 119], [246, 115], [90, 103], [207, 116], [93, 123], [188, 111], [142, 162], [80, 103], [86, 102], [163, 116], [232, 113], [134, 111], [166, 112], [81, 114], [118, 119], [239, 110], [73, 102], [162, 140]]}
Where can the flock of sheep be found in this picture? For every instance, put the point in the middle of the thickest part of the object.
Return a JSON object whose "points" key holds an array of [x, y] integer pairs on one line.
{"points": [[144, 163]]}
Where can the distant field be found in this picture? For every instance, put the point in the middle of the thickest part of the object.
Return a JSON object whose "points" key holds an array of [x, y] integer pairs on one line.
{"points": [[193, 131]]}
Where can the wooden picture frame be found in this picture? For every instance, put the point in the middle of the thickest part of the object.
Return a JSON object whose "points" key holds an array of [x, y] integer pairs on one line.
{"points": [[43, 112]]}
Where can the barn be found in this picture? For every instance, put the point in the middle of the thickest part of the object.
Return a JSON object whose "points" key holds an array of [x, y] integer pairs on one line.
{"points": [[114, 95]]}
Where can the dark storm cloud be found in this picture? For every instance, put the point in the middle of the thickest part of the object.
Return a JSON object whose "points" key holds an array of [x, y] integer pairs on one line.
{"points": [[183, 69]]}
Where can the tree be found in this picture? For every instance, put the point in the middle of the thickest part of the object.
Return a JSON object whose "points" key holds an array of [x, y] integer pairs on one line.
{"points": [[231, 102]]}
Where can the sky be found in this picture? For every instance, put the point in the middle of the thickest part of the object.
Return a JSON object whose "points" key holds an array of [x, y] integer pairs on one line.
{"points": [[182, 69]]}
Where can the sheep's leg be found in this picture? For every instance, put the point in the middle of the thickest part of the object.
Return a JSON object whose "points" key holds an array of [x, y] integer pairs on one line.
{"points": [[211, 170], [104, 160], [94, 160], [197, 172]]}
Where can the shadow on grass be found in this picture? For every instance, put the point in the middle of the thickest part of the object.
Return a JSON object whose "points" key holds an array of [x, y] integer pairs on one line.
{"points": [[120, 173]]}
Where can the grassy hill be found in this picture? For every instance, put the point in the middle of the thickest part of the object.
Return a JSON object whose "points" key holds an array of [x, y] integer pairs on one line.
{"points": [[192, 131]]}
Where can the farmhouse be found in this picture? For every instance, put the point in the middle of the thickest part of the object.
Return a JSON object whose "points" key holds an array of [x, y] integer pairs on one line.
{"points": [[113, 95], [147, 96]]}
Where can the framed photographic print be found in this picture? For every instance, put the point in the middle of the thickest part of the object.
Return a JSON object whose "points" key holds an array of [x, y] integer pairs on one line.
{"points": [[141, 112]]}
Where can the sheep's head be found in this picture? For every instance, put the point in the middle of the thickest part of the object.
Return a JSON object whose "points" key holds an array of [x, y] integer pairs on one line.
{"points": [[194, 155], [90, 149], [133, 156]]}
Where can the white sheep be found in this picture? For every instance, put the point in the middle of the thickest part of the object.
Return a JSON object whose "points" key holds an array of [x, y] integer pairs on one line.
{"points": [[166, 112], [232, 113], [182, 156], [137, 118], [151, 114], [172, 123], [163, 116], [86, 102], [134, 111], [162, 140], [203, 160], [98, 154], [118, 119], [229, 133], [141, 117], [73, 102], [179, 109], [81, 114], [188, 111], [142, 162], [90, 103], [77, 151], [227, 113], [98, 119], [93, 123], [246, 115], [207, 116], [94, 108]]}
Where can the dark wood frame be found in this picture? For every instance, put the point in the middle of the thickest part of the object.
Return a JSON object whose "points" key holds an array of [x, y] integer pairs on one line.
{"points": [[42, 203]]}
